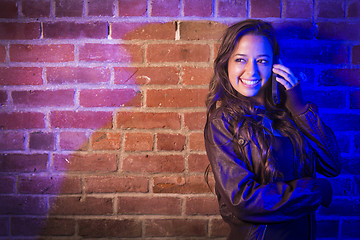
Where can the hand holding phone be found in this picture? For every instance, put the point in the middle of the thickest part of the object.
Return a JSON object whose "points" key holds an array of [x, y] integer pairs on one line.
{"points": [[284, 76]]}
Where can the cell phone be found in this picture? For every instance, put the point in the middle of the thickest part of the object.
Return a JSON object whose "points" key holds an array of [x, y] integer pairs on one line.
{"points": [[275, 85], [275, 89]]}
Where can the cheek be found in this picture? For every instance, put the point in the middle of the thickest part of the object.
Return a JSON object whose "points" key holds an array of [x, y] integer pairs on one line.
{"points": [[234, 69], [265, 72]]}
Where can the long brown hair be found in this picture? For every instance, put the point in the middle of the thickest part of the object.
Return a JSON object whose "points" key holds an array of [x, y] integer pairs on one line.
{"points": [[242, 111]]}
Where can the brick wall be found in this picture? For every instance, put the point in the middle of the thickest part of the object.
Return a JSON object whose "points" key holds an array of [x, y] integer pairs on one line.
{"points": [[102, 111]]}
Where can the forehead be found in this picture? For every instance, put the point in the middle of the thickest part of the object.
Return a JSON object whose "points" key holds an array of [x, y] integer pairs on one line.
{"points": [[251, 44]]}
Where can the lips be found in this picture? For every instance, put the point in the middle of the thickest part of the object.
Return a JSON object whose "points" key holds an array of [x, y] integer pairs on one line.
{"points": [[250, 83]]}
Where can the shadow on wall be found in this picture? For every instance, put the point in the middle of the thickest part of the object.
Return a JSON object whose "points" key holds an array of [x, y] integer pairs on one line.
{"points": [[130, 160]]}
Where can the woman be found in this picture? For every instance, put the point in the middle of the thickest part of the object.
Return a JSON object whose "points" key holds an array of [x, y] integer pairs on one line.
{"points": [[264, 155]]}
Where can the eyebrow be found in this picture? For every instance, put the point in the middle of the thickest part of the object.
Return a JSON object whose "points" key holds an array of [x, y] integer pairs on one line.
{"points": [[261, 55]]}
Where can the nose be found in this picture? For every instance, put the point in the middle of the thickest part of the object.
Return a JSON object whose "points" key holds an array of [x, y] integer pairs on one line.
{"points": [[251, 68]]}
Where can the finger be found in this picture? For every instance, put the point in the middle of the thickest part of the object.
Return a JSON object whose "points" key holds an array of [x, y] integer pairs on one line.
{"points": [[283, 68], [283, 82], [287, 76]]}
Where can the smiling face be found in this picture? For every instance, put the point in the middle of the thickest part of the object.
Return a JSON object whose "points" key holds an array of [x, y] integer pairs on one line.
{"points": [[250, 64]]}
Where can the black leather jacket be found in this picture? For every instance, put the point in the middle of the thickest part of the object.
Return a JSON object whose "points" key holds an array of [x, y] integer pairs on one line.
{"points": [[252, 208]]}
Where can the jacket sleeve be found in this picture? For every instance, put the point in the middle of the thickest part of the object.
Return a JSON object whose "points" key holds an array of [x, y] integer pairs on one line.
{"points": [[245, 197], [321, 137]]}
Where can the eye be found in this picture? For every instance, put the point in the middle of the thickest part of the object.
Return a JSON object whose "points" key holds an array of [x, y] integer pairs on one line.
{"points": [[263, 61], [240, 60]]}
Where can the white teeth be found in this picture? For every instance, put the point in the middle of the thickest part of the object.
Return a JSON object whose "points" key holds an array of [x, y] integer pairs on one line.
{"points": [[249, 83]]}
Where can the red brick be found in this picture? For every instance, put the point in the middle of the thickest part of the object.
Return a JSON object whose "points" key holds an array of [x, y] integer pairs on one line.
{"points": [[4, 226], [85, 162], [81, 119], [178, 98], [197, 142], [355, 100], [353, 9], [12, 141], [263, 9], [149, 205], [125, 53], [175, 228], [197, 162], [339, 31], [67, 30], [153, 163], [41, 53], [311, 52], [105, 141], [228, 8], [330, 8], [19, 120], [178, 53], [7, 185], [20, 76], [110, 98], [49, 185], [132, 8], [201, 8], [139, 142], [171, 142], [8, 9], [42, 98], [168, 8], [2, 53], [196, 75], [17, 31], [216, 48], [74, 141], [114, 184], [102, 8], [59, 75], [326, 98], [204, 30], [219, 228], [343, 122], [110, 228], [81, 206], [342, 186], [3, 97], [68, 8], [294, 29], [147, 120], [23, 162], [201, 206], [29, 226], [328, 228], [23, 205], [146, 75], [180, 184], [356, 54], [42, 141], [143, 31], [195, 120], [340, 77], [298, 9], [349, 228], [36, 8]]}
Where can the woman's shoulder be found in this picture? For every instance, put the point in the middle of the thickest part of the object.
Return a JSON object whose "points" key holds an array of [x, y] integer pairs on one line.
{"points": [[223, 119], [219, 114], [222, 113]]}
